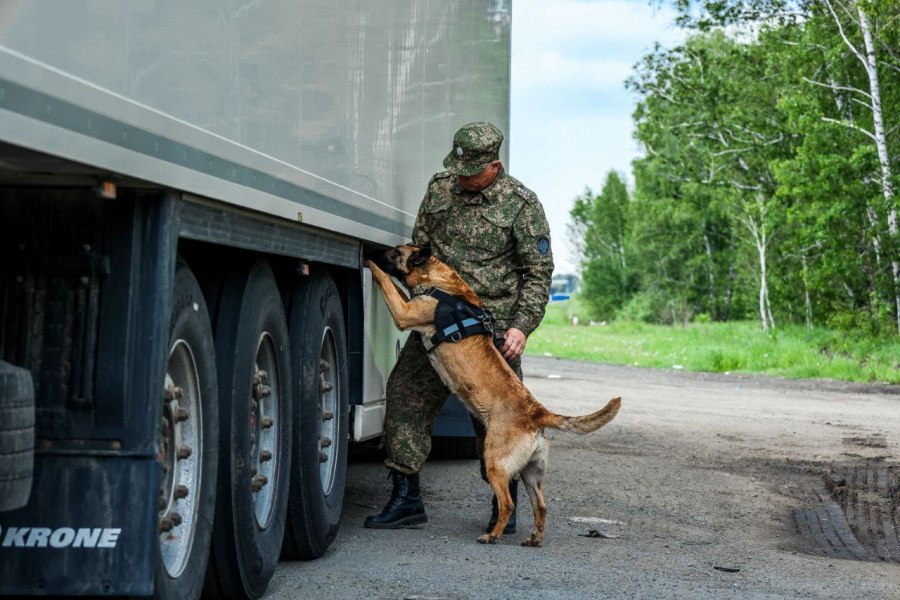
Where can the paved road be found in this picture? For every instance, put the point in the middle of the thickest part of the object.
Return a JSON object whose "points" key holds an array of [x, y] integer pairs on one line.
{"points": [[696, 472]]}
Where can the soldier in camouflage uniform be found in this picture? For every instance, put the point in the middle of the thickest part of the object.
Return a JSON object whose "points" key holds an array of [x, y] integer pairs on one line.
{"points": [[492, 230]]}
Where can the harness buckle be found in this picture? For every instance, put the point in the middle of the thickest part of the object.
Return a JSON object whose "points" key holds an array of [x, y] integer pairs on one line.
{"points": [[488, 322], [455, 336]]}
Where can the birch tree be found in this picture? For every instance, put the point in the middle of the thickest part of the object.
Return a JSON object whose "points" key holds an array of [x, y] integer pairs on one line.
{"points": [[867, 33], [854, 12], [707, 117]]}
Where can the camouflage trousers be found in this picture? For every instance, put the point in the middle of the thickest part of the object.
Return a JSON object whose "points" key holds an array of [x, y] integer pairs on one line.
{"points": [[415, 395]]}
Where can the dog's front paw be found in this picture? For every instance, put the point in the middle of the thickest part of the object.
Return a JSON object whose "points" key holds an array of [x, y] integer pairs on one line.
{"points": [[487, 539], [532, 542]]}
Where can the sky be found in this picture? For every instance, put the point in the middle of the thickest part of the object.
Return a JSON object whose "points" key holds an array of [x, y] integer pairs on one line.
{"points": [[570, 112]]}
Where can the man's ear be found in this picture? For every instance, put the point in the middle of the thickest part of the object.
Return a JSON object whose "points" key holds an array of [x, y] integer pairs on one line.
{"points": [[421, 255]]}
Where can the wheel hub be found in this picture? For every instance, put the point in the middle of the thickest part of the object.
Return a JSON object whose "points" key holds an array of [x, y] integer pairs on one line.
{"points": [[180, 433], [329, 395], [264, 440]]}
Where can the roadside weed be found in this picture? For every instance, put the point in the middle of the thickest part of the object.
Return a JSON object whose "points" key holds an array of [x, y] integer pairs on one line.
{"points": [[792, 351]]}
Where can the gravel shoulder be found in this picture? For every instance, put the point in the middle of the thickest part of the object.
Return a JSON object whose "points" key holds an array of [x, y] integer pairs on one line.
{"points": [[692, 487]]}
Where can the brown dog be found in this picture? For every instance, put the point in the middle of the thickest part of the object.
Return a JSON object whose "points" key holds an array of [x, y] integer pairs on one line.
{"points": [[476, 372]]}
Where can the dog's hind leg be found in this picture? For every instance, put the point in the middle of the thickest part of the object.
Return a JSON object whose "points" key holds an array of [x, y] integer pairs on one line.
{"points": [[534, 486], [499, 480], [532, 477]]}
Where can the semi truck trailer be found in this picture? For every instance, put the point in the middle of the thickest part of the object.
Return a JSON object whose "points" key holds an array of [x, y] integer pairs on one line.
{"points": [[189, 340]]}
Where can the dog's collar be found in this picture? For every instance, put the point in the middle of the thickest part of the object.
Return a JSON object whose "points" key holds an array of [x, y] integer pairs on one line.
{"points": [[455, 319]]}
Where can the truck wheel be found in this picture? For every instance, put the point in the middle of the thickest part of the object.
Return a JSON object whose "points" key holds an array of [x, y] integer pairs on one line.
{"points": [[255, 422], [188, 446], [319, 465], [16, 436]]}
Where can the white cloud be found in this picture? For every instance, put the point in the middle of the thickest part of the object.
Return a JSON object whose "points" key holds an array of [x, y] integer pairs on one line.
{"points": [[571, 22], [560, 71]]}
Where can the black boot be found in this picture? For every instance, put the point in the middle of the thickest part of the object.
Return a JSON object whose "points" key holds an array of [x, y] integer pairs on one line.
{"points": [[405, 506], [495, 510]]}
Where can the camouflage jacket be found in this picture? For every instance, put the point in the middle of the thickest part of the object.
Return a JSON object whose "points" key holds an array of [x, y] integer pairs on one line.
{"points": [[497, 239]]}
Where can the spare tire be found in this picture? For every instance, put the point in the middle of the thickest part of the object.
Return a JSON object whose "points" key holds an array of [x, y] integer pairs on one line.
{"points": [[16, 436]]}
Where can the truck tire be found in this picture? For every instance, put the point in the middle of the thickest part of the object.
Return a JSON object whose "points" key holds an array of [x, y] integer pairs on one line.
{"points": [[189, 445], [252, 353], [319, 465], [16, 436]]}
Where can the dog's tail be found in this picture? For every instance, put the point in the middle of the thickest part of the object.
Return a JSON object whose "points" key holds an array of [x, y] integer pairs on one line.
{"points": [[586, 423]]}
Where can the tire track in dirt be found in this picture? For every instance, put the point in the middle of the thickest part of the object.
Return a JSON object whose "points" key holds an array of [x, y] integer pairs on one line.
{"points": [[855, 514]]}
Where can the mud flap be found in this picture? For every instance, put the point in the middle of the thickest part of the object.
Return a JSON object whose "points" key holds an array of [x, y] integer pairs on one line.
{"points": [[454, 435], [88, 529], [453, 420]]}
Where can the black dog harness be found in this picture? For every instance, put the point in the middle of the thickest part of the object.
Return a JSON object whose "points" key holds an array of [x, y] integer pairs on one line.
{"points": [[456, 319]]}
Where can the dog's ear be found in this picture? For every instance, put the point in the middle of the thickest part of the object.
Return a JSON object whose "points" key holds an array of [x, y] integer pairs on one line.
{"points": [[421, 255]]}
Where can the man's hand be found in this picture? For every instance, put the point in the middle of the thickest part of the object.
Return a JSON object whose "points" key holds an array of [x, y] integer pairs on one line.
{"points": [[514, 345]]}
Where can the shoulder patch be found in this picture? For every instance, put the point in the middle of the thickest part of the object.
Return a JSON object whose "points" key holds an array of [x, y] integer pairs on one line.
{"points": [[543, 245], [525, 193]]}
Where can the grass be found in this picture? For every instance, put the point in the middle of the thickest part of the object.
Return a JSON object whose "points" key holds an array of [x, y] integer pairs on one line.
{"points": [[737, 347]]}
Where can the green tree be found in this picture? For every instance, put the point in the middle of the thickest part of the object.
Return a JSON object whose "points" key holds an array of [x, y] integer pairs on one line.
{"points": [[600, 226], [840, 92], [708, 122], [768, 185]]}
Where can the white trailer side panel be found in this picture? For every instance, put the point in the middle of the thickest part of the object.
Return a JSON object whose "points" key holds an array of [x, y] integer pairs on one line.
{"points": [[336, 112]]}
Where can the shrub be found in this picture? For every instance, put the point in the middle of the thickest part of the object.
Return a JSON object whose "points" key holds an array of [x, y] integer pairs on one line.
{"points": [[638, 308], [719, 361]]}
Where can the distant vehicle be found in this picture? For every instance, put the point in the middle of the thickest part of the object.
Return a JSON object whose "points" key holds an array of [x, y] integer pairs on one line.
{"points": [[563, 286], [188, 338]]}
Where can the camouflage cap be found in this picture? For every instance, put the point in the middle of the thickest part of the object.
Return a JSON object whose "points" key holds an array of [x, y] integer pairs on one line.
{"points": [[474, 146]]}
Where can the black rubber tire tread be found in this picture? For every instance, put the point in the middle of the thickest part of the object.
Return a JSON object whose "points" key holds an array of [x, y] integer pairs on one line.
{"points": [[244, 556], [313, 517], [16, 436], [453, 448], [193, 326]]}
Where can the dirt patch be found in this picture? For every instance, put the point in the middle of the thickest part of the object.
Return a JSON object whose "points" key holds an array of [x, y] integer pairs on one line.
{"points": [[869, 441], [855, 514]]}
